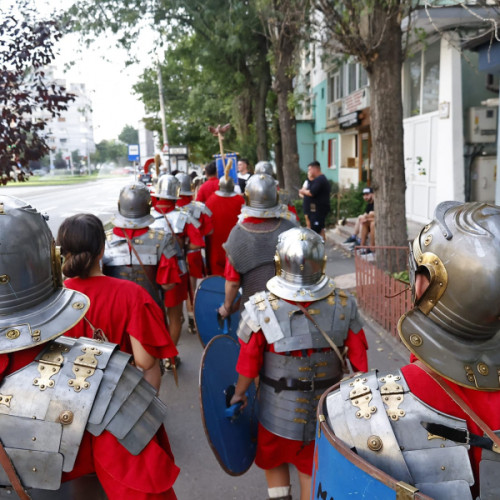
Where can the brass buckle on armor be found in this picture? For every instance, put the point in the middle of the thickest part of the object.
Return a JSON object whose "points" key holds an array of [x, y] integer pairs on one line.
{"points": [[84, 367], [360, 396], [49, 365], [392, 396]]}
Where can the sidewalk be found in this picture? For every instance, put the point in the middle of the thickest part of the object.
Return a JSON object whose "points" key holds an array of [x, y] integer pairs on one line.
{"points": [[386, 352]]}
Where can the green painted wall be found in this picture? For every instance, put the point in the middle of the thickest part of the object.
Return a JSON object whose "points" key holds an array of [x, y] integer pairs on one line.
{"points": [[312, 136]]}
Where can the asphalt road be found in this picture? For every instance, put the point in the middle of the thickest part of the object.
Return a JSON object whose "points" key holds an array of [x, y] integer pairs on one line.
{"points": [[201, 477]]}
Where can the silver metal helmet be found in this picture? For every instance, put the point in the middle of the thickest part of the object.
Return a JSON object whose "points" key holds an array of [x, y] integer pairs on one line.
{"points": [[455, 326], [134, 207], [168, 187], [34, 306], [186, 184], [264, 167], [261, 194], [300, 267], [226, 187]]}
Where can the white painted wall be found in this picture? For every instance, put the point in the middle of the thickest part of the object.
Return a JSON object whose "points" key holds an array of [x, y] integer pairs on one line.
{"points": [[450, 179]]}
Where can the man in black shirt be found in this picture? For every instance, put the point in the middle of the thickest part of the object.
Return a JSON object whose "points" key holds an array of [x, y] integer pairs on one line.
{"points": [[318, 194]]}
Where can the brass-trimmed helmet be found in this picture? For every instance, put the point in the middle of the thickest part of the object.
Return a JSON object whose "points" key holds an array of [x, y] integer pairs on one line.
{"points": [[134, 207], [186, 184], [34, 306], [455, 326], [169, 187], [300, 262], [264, 167], [226, 187], [261, 195]]}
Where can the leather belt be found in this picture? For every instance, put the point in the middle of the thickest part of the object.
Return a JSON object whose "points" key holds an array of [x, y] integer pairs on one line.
{"points": [[293, 384]]}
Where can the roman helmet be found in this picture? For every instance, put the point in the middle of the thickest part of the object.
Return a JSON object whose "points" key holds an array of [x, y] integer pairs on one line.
{"points": [[261, 196], [226, 187], [34, 305], [186, 184], [300, 262], [134, 207], [455, 325], [168, 187], [264, 167]]}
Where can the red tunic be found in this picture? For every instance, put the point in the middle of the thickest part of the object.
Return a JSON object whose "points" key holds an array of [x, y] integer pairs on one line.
{"points": [[207, 188], [147, 476], [273, 450], [225, 211], [121, 308], [485, 403]]}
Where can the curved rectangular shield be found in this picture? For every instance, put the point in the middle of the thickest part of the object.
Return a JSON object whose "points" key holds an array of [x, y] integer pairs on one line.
{"points": [[232, 436], [207, 300]]}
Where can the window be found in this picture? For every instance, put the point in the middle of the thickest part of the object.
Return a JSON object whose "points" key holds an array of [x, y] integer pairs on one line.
{"points": [[338, 85], [352, 85], [421, 82], [332, 153]]}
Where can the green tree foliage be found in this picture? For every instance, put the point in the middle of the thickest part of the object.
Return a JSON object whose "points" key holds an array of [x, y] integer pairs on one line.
{"points": [[110, 151], [224, 75], [129, 135], [27, 95]]}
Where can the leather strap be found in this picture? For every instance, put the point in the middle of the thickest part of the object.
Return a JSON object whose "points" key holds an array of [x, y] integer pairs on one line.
{"points": [[341, 356], [7, 466], [462, 404], [293, 384]]}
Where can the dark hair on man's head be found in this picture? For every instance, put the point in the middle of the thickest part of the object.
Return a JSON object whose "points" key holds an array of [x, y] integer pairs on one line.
{"points": [[315, 164], [244, 160], [210, 169], [81, 238]]}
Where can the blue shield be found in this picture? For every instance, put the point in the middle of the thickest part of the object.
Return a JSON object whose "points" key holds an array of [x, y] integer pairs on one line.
{"points": [[207, 300], [232, 434], [339, 472]]}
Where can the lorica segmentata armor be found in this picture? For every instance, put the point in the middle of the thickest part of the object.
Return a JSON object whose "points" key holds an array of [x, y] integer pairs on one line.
{"points": [[72, 386]]}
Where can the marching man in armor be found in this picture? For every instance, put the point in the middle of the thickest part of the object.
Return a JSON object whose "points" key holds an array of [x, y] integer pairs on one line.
{"points": [[194, 258], [225, 206], [68, 407], [252, 242], [184, 227], [433, 426], [136, 252], [295, 337]]}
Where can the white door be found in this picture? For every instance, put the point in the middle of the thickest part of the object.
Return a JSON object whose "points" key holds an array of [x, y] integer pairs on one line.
{"points": [[420, 166]]}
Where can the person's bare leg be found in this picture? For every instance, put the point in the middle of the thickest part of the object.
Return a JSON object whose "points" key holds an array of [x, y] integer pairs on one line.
{"points": [[364, 233], [372, 233], [174, 315], [305, 486], [279, 477]]}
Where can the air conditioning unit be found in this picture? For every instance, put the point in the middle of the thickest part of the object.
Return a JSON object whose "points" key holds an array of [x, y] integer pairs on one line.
{"points": [[334, 110], [482, 125], [483, 179]]}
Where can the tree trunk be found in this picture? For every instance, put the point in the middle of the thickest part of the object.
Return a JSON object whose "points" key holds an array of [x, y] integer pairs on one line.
{"points": [[284, 88], [386, 112]]}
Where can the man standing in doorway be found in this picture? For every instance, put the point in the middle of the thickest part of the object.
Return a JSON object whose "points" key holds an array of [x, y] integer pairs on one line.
{"points": [[318, 194]]}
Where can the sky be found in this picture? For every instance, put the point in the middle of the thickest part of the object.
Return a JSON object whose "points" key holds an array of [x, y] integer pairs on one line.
{"points": [[108, 82], [102, 69]]}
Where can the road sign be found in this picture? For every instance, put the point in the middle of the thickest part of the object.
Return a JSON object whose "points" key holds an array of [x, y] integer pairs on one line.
{"points": [[133, 152], [164, 149]]}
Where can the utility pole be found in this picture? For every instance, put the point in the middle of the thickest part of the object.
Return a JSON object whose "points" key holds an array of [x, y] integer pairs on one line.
{"points": [[162, 110]]}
